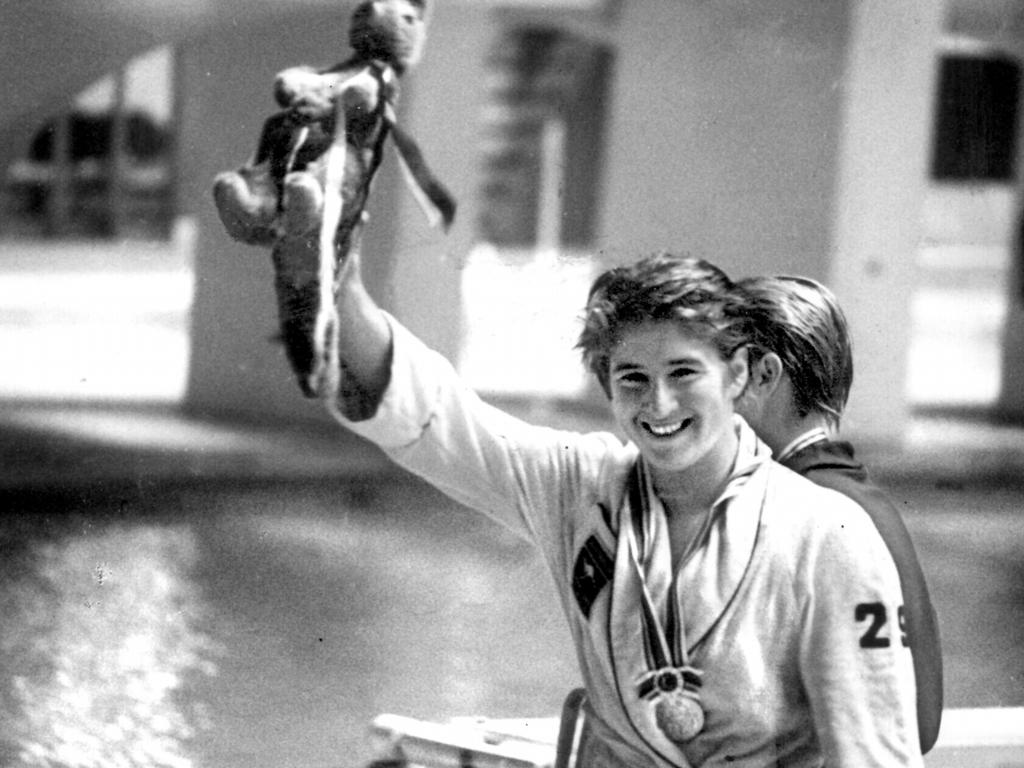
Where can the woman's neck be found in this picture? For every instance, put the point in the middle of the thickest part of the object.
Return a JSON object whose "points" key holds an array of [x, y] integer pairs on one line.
{"points": [[692, 491]]}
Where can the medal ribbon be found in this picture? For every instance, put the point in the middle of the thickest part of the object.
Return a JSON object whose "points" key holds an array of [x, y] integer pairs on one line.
{"points": [[665, 646], [651, 639]]}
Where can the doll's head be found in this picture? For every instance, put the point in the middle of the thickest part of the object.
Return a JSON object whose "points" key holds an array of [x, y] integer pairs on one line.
{"points": [[392, 31]]}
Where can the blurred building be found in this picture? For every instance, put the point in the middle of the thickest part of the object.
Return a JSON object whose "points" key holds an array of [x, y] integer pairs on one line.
{"points": [[867, 144]]}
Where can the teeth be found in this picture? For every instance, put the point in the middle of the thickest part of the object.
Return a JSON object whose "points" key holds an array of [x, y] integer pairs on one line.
{"points": [[665, 429]]}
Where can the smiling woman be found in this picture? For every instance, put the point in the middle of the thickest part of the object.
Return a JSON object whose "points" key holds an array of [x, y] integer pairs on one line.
{"points": [[721, 606]]}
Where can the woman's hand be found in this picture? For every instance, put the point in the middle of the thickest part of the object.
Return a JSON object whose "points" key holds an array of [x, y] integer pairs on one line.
{"points": [[364, 336]]}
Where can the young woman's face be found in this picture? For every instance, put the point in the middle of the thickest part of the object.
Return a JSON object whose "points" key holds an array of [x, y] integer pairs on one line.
{"points": [[673, 394]]}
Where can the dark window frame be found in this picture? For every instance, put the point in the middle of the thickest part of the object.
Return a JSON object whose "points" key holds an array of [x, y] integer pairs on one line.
{"points": [[544, 136], [108, 174]]}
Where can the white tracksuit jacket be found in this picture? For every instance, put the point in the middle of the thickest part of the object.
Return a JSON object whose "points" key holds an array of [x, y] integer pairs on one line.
{"points": [[792, 603]]}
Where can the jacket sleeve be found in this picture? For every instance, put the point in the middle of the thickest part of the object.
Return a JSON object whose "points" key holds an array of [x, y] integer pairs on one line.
{"points": [[922, 621], [855, 658], [525, 477]]}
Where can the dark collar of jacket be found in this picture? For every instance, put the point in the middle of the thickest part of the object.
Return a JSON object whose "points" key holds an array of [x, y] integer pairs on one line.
{"points": [[827, 455]]}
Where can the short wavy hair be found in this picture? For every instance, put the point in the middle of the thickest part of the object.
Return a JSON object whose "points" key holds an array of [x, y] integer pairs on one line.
{"points": [[663, 286], [800, 320]]}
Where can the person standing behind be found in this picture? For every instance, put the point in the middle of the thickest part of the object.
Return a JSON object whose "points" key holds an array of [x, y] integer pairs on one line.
{"points": [[801, 371]]}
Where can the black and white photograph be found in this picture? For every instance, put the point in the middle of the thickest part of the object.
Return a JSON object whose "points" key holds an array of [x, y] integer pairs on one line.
{"points": [[512, 384]]}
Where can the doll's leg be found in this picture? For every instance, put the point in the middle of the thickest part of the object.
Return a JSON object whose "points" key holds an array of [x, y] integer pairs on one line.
{"points": [[299, 277], [247, 211], [303, 203], [297, 284]]}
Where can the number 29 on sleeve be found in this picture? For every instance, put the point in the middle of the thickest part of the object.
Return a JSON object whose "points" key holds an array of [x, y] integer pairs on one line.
{"points": [[876, 634]]}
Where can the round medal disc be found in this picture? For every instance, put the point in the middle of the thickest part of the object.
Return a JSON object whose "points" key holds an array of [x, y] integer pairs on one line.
{"points": [[679, 715]]}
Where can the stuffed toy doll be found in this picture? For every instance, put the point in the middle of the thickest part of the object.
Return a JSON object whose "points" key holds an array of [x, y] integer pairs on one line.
{"points": [[307, 186]]}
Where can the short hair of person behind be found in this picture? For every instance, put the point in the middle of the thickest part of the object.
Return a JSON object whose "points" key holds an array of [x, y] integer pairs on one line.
{"points": [[800, 320], [662, 286]]}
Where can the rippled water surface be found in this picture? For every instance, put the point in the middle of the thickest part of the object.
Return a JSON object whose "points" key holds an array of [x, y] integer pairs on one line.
{"points": [[321, 605]]}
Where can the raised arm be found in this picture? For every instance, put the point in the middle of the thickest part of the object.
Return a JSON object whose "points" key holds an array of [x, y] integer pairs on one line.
{"points": [[411, 402], [364, 339]]}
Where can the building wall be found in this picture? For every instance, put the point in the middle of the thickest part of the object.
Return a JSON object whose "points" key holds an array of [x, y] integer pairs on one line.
{"points": [[783, 137], [767, 137], [722, 141], [725, 132], [725, 140]]}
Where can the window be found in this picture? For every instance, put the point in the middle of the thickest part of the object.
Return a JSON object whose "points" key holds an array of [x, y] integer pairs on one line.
{"points": [[544, 130], [976, 118], [104, 166], [538, 213]]}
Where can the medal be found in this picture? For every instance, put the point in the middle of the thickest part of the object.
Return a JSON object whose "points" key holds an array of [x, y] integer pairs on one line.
{"points": [[679, 715], [677, 708]]}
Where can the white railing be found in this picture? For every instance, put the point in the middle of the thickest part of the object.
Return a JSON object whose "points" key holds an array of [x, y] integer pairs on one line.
{"points": [[969, 738]]}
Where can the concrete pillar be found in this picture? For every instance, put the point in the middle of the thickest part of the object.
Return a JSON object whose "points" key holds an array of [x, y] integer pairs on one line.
{"points": [[888, 88], [1010, 404]]}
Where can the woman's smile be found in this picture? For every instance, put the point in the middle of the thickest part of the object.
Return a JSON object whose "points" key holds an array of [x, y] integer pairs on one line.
{"points": [[666, 429]]}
